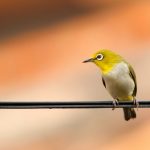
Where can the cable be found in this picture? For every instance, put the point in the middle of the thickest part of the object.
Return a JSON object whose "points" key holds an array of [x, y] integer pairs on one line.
{"points": [[70, 105]]}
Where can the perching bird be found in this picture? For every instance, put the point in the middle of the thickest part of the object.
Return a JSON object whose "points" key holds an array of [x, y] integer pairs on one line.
{"points": [[118, 78]]}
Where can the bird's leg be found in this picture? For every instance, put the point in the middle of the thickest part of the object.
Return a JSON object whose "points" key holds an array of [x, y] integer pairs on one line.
{"points": [[136, 103], [115, 103]]}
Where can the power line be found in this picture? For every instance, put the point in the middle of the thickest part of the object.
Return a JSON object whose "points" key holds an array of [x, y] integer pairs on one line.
{"points": [[70, 104]]}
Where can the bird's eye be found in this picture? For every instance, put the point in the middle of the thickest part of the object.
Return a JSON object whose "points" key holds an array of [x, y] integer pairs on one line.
{"points": [[99, 57]]}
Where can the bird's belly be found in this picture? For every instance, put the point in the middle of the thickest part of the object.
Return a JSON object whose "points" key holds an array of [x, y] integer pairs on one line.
{"points": [[120, 87]]}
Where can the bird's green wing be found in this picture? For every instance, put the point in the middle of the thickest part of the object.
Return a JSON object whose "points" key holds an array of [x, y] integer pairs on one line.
{"points": [[133, 76], [103, 82]]}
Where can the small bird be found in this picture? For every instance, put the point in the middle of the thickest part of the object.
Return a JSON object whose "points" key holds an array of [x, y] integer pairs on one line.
{"points": [[118, 77]]}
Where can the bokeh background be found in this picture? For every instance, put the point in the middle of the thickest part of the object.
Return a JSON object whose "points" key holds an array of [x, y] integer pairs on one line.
{"points": [[42, 46]]}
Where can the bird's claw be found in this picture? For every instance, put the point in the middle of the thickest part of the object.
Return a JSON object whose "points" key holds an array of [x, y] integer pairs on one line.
{"points": [[136, 103], [115, 103]]}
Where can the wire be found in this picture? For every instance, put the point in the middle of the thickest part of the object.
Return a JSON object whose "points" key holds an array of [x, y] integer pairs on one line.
{"points": [[71, 105]]}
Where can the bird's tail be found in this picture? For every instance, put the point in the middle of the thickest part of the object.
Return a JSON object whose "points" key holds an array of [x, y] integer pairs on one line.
{"points": [[129, 113]]}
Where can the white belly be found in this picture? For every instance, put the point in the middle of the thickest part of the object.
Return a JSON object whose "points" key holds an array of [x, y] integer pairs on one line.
{"points": [[119, 83]]}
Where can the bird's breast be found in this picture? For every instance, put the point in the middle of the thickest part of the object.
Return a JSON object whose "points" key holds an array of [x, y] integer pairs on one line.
{"points": [[118, 82]]}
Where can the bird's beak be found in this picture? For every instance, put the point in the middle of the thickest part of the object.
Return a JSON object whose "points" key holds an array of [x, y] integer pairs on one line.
{"points": [[88, 60]]}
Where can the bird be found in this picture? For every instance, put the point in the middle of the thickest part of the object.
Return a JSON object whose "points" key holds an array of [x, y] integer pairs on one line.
{"points": [[118, 77]]}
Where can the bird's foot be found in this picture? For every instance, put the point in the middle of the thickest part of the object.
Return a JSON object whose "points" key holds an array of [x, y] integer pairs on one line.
{"points": [[115, 103], [136, 103]]}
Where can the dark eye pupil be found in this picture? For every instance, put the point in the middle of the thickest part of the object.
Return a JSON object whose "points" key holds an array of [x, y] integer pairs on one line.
{"points": [[99, 56]]}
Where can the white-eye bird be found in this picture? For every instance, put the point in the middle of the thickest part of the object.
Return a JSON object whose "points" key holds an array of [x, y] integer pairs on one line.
{"points": [[118, 78]]}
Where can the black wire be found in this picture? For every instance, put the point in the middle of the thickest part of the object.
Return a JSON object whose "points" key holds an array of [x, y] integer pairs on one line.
{"points": [[71, 105]]}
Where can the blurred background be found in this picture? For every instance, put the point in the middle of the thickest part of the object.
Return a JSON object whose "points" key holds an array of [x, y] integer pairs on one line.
{"points": [[42, 46]]}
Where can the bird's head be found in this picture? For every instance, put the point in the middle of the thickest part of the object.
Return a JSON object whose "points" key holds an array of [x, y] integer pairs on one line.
{"points": [[105, 60]]}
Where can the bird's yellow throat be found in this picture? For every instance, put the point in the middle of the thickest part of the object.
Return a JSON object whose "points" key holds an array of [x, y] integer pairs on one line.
{"points": [[105, 68]]}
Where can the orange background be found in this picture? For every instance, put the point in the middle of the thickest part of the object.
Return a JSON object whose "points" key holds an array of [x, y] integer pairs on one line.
{"points": [[42, 46]]}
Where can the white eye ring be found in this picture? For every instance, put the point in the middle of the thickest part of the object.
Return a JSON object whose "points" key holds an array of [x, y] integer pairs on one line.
{"points": [[99, 57]]}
